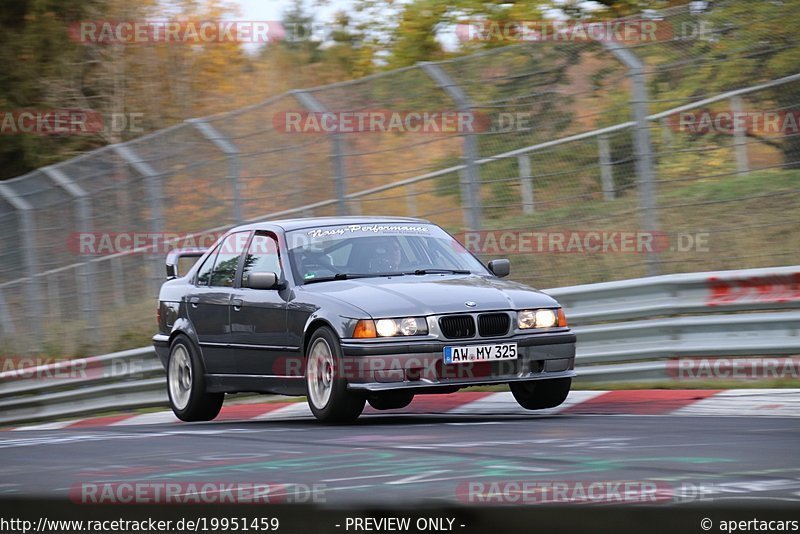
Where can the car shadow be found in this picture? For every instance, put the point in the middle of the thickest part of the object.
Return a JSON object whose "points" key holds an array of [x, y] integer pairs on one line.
{"points": [[395, 419]]}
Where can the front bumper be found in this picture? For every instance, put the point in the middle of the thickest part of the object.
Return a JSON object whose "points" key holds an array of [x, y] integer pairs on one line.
{"points": [[419, 365]]}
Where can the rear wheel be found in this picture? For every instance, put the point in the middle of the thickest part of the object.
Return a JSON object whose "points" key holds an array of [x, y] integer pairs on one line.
{"points": [[328, 397], [390, 400], [186, 385], [540, 394]]}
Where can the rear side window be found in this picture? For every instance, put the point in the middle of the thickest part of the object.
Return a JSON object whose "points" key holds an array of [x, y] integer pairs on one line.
{"points": [[231, 249], [204, 274]]}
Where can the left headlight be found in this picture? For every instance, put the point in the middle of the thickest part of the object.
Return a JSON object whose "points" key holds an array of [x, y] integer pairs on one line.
{"points": [[544, 318], [405, 326]]}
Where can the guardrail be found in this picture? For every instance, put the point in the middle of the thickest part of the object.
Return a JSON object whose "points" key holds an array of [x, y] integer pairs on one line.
{"points": [[130, 379], [627, 330]]}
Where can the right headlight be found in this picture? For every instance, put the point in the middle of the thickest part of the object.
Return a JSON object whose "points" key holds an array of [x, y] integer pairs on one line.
{"points": [[405, 326], [542, 318]]}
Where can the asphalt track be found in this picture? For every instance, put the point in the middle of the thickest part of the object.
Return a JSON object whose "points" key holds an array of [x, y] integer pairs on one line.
{"points": [[405, 459]]}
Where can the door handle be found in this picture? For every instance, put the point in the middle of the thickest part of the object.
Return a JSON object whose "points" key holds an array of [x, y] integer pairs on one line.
{"points": [[193, 301], [237, 304]]}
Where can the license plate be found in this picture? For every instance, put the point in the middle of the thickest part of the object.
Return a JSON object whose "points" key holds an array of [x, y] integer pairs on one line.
{"points": [[480, 353]]}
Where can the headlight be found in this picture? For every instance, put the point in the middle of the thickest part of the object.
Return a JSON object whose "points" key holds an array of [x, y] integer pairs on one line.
{"points": [[407, 326], [546, 319], [537, 319], [386, 327], [526, 319]]}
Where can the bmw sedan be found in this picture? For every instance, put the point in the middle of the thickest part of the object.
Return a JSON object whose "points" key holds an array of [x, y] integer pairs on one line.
{"points": [[349, 311]]}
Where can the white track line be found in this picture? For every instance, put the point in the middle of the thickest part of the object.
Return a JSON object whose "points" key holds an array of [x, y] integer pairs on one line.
{"points": [[46, 426], [747, 402], [148, 419], [296, 410], [735, 402]]}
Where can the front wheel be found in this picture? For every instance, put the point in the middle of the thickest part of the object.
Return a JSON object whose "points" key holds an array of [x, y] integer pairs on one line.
{"points": [[186, 385], [326, 385], [541, 394]]}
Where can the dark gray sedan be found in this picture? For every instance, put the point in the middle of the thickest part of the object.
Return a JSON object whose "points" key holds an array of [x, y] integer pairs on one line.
{"points": [[353, 310]]}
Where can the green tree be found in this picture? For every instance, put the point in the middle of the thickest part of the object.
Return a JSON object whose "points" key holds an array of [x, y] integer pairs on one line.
{"points": [[738, 44], [41, 69], [164, 83]]}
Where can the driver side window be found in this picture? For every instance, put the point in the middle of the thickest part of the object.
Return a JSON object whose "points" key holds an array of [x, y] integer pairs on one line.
{"points": [[262, 256]]}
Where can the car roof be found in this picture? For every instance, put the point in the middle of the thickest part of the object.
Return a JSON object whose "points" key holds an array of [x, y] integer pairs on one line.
{"points": [[314, 222]]}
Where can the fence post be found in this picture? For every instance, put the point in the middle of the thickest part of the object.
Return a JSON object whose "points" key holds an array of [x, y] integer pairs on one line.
{"points": [[154, 190], [526, 183], [30, 260], [411, 200], [116, 280], [6, 324], [53, 298], [86, 275], [606, 171], [666, 134], [225, 145], [739, 137], [643, 150], [337, 153], [471, 174]]}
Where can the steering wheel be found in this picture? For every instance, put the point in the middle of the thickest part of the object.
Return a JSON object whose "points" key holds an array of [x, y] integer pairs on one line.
{"points": [[315, 263]]}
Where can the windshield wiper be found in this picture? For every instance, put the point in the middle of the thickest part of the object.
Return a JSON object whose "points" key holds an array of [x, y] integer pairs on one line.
{"points": [[348, 276], [339, 276], [420, 272]]}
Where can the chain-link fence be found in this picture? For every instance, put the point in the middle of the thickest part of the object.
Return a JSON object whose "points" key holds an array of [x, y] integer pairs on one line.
{"points": [[583, 161]]}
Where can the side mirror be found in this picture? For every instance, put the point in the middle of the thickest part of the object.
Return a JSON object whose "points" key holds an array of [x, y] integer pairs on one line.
{"points": [[262, 281], [500, 268]]}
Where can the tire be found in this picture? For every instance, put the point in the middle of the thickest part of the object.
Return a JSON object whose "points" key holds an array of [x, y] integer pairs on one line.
{"points": [[391, 400], [541, 394], [326, 388], [186, 384]]}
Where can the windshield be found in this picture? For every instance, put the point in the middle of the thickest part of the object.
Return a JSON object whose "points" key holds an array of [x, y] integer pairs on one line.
{"points": [[362, 250]]}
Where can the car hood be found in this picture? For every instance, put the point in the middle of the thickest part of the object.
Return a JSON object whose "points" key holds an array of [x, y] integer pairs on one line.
{"points": [[431, 294]]}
